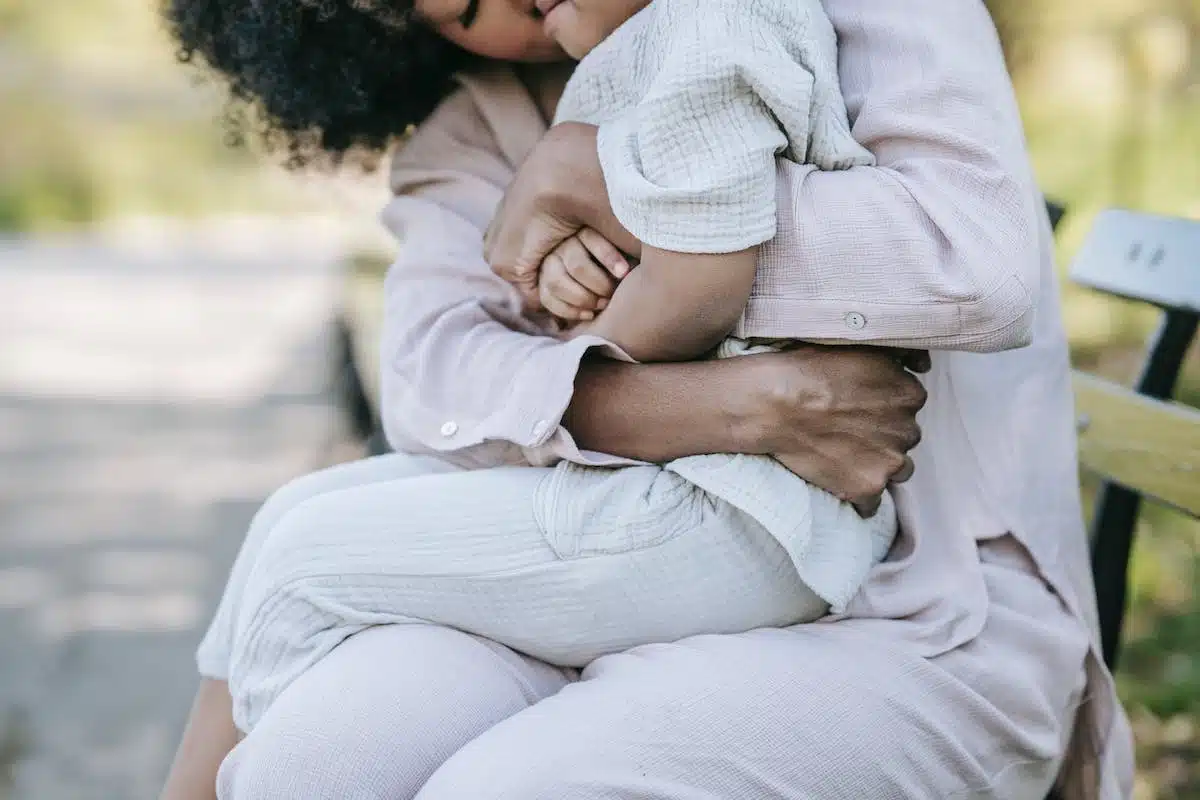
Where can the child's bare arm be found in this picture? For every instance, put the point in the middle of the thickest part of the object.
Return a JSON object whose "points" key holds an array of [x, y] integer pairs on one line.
{"points": [[676, 306]]}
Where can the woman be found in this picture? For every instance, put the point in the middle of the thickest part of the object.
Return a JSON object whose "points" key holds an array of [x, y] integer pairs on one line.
{"points": [[961, 667]]}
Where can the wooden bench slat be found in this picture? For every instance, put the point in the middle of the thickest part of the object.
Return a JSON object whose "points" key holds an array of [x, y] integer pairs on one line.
{"points": [[1149, 446]]}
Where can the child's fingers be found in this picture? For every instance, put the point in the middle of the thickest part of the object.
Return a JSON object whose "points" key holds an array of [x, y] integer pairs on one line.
{"points": [[583, 269], [604, 252], [557, 275], [562, 295], [563, 310]]}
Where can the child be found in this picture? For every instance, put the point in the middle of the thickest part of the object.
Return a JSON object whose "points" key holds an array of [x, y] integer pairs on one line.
{"points": [[692, 111], [693, 105]]}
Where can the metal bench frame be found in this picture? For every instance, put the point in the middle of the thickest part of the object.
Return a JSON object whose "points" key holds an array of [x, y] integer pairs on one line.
{"points": [[1151, 259]]}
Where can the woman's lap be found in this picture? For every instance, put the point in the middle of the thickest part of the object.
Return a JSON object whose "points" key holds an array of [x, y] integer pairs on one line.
{"points": [[379, 714], [819, 710], [618, 558], [816, 711]]}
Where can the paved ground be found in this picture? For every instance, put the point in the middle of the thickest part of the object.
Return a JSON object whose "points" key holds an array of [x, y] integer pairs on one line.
{"points": [[153, 389]]}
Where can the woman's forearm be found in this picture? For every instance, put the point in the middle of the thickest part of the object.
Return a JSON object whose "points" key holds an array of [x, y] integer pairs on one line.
{"points": [[659, 412], [576, 187]]}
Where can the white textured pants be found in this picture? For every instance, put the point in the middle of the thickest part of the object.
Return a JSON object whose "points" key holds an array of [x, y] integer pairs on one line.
{"points": [[817, 711], [565, 564]]}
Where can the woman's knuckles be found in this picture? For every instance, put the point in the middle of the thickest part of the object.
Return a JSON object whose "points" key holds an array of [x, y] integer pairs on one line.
{"points": [[913, 437], [894, 462], [916, 394]]}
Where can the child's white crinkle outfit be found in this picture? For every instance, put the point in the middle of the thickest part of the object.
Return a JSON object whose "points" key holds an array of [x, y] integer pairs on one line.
{"points": [[695, 101]]}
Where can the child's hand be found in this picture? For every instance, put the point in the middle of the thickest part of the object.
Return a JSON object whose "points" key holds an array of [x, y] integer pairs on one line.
{"points": [[579, 276]]}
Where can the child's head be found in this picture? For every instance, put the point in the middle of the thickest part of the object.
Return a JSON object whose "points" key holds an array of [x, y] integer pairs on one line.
{"points": [[330, 76], [575, 26]]}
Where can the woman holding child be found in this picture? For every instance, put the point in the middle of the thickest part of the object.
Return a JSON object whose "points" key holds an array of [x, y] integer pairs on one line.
{"points": [[610, 609]]}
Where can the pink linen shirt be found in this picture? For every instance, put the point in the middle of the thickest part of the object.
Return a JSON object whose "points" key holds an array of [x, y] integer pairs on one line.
{"points": [[943, 244]]}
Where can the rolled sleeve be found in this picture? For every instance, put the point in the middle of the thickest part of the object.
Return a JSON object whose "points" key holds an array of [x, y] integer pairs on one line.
{"points": [[690, 166], [936, 245]]}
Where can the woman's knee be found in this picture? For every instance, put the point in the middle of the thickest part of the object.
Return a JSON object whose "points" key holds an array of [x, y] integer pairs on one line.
{"points": [[380, 713], [310, 759]]}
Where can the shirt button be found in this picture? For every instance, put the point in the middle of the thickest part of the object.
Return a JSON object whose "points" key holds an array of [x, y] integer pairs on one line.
{"points": [[540, 428], [855, 321], [449, 428]]}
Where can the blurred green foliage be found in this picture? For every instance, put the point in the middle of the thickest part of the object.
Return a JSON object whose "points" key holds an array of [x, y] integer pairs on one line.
{"points": [[1110, 93], [99, 121]]}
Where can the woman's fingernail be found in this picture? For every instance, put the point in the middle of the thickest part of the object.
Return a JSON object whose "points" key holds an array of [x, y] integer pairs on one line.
{"points": [[602, 304], [587, 315]]}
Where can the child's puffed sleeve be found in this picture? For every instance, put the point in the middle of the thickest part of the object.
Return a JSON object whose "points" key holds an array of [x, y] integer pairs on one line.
{"points": [[730, 85]]}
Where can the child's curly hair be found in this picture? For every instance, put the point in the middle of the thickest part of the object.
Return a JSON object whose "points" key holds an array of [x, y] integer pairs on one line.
{"points": [[321, 78]]}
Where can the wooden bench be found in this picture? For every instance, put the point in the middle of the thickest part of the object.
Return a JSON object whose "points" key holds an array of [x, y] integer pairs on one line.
{"points": [[1137, 440]]}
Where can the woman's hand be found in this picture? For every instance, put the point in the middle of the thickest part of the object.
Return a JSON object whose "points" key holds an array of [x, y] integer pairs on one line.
{"points": [[558, 191], [842, 418]]}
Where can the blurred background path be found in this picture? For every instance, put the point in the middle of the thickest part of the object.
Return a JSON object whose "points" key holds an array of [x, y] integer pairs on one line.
{"points": [[154, 387]]}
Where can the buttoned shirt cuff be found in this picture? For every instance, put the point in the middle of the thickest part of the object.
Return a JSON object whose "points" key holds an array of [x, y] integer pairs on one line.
{"points": [[531, 416], [545, 386]]}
